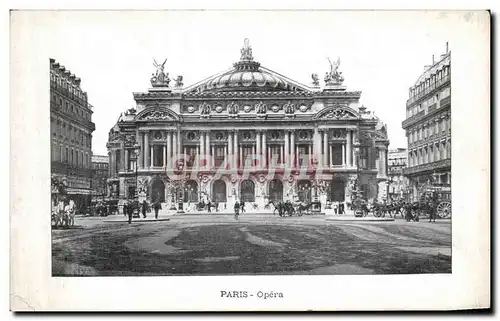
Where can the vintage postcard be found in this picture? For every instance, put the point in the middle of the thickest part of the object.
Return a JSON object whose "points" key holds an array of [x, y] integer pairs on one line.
{"points": [[250, 160]]}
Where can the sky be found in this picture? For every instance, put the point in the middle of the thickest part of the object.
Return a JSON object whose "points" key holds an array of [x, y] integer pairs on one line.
{"points": [[382, 53]]}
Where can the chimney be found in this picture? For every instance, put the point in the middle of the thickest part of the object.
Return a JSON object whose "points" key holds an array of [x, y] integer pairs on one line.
{"points": [[447, 47], [433, 62]]}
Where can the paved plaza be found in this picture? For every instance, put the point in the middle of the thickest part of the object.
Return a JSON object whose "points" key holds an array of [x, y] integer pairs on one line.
{"points": [[255, 244]]}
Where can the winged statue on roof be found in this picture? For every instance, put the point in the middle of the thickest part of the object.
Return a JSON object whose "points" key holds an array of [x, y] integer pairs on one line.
{"points": [[334, 76], [160, 78]]}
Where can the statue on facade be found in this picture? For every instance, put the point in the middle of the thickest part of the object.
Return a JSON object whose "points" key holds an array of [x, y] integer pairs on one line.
{"points": [[315, 80], [289, 108], [178, 81], [246, 51], [334, 77], [233, 109], [160, 79], [205, 109], [261, 108]]}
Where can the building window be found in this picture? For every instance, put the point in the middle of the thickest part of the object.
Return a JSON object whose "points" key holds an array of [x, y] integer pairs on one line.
{"points": [[66, 158]]}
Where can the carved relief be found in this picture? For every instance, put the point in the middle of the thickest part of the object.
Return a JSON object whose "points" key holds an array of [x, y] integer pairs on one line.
{"points": [[261, 108], [233, 109], [157, 115], [339, 113], [204, 109]]}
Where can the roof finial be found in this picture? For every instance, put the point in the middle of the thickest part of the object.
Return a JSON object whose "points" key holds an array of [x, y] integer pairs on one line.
{"points": [[246, 51]]}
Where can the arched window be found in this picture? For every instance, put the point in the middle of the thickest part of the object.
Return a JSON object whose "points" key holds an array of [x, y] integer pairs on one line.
{"points": [[219, 191], [191, 191], [247, 191]]}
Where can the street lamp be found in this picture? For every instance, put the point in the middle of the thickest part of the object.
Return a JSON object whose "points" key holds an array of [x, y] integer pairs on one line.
{"points": [[136, 151], [180, 168]]}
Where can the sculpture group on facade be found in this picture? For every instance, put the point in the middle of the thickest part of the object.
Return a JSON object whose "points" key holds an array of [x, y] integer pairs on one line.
{"points": [[334, 77], [160, 79], [246, 51], [233, 109], [261, 108]]}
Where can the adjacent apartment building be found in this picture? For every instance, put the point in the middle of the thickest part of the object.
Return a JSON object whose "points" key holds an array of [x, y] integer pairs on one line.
{"points": [[71, 130], [428, 129]]}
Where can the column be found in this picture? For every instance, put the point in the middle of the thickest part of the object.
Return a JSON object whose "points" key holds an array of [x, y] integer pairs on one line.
{"points": [[257, 145], [325, 148], [179, 139], [331, 155], [352, 149], [230, 146], [122, 156], [146, 150], [126, 160], [343, 154], [202, 145], [292, 148], [241, 162], [349, 148], [174, 147], [296, 157], [212, 163], [287, 153], [282, 154], [264, 149], [140, 158], [164, 156], [208, 150], [235, 148], [316, 144], [169, 151], [152, 156]]}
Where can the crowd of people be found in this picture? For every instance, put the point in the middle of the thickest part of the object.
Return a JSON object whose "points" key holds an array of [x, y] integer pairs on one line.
{"points": [[63, 212]]}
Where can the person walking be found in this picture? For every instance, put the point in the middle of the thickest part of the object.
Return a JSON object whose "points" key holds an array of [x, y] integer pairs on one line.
{"points": [[129, 210], [209, 206], [144, 208], [157, 208], [236, 210], [242, 206]]}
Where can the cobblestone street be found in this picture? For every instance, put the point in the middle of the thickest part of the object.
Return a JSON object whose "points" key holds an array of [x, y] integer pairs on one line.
{"points": [[255, 244]]}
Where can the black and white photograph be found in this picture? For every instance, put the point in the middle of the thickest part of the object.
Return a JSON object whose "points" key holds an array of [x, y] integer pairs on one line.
{"points": [[248, 143]]}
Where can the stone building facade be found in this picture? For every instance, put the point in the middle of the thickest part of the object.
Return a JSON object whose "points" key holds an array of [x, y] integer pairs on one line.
{"points": [[249, 134], [100, 174], [397, 182], [71, 129], [428, 129]]}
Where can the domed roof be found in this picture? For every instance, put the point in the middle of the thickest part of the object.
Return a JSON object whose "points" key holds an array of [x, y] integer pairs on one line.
{"points": [[248, 75]]}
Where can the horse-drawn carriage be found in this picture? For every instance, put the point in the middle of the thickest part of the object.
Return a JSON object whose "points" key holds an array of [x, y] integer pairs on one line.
{"points": [[288, 208], [436, 199]]}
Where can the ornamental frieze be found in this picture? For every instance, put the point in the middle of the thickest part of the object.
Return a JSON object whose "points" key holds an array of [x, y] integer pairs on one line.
{"points": [[157, 115]]}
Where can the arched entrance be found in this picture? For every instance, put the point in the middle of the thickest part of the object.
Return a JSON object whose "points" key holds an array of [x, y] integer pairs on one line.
{"points": [[219, 191], [157, 191], [191, 191], [337, 191], [247, 191], [304, 190], [275, 190]]}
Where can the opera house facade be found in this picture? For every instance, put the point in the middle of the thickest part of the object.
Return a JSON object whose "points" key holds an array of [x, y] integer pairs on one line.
{"points": [[247, 134]]}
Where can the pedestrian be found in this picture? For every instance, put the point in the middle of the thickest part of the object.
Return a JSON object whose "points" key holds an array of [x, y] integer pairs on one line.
{"points": [[144, 208], [157, 208], [242, 206], [236, 210], [209, 206], [127, 207]]}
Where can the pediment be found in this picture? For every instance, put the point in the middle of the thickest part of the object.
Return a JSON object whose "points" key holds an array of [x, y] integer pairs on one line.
{"points": [[156, 114], [336, 112]]}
